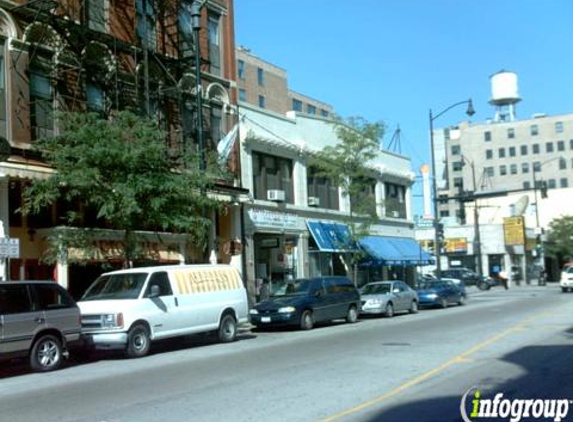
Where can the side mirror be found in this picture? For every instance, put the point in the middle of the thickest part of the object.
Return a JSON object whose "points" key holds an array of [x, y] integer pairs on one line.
{"points": [[155, 291], [396, 291]]}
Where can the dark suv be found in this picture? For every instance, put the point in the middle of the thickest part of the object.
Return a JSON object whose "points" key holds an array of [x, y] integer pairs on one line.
{"points": [[304, 302], [37, 320]]}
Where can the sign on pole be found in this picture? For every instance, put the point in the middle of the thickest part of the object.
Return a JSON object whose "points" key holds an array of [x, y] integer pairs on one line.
{"points": [[9, 248]]}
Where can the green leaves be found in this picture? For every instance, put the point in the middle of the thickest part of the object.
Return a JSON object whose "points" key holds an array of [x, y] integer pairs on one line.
{"points": [[560, 238]]}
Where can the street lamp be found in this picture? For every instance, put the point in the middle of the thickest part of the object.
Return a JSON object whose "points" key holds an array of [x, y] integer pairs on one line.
{"points": [[477, 236], [437, 249], [196, 25]]}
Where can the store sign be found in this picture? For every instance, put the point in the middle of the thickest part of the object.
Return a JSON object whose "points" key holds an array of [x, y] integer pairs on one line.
{"points": [[514, 231], [9, 248], [273, 219], [456, 245]]}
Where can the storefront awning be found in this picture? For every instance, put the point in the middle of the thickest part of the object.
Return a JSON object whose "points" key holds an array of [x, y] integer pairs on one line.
{"points": [[384, 250], [331, 237]]}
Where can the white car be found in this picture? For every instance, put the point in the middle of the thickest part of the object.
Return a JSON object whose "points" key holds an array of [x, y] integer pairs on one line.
{"points": [[566, 281]]}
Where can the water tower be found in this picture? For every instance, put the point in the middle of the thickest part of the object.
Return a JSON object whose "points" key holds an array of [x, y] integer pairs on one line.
{"points": [[504, 95]]}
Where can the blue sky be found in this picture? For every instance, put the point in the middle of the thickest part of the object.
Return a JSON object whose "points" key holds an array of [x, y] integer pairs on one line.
{"points": [[393, 60]]}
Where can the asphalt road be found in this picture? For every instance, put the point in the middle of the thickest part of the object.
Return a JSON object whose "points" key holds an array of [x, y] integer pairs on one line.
{"points": [[409, 368]]}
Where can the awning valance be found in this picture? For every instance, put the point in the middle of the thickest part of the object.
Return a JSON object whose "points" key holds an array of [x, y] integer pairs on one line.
{"points": [[384, 250], [331, 237]]}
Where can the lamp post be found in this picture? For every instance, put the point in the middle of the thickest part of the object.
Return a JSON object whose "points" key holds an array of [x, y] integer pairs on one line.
{"points": [[477, 236], [196, 25], [437, 247]]}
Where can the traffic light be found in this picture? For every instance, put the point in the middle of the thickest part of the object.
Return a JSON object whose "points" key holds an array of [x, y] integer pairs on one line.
{"points": [[543, 189], [462, 215]]}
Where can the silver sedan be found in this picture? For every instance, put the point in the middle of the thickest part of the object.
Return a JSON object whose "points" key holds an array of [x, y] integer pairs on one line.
{"points": [[388, 297]]}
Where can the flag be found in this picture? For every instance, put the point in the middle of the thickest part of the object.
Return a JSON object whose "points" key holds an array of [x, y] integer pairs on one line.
{"points": [[226, 144]]}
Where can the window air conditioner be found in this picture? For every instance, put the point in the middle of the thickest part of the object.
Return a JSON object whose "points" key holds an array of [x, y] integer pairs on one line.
{"points": [[313, 201], [276, 195]]}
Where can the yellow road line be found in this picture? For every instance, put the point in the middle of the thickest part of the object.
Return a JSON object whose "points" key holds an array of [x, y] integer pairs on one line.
{"points": [[462, 357]]}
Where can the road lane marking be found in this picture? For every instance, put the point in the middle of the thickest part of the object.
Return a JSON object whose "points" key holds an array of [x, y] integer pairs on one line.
{"points": [[462, 357]]}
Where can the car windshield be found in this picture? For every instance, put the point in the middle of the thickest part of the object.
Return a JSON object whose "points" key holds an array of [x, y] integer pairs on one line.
{"points": [[294, 287], [116, 286], [376, 289], [569, 270]]}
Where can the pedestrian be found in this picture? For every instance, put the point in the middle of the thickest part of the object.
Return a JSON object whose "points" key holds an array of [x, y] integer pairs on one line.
{"points": [[504, 279]]}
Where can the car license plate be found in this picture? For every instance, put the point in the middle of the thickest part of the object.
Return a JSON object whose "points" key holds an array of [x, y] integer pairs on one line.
{"points": [[266, 319]]}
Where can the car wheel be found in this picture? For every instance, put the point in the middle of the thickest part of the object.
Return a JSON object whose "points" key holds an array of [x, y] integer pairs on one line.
{"points": [[227, 329], [138, 341], [443, 303], [306, 320], [414, 307], [352, 314], [389, 310], [483, 286], [564, 289], [46, 354], [462, 301]]}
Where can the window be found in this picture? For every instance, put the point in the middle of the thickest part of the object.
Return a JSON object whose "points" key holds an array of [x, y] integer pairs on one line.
{"points": [[14, 299], [51, 297], [241, 69], [444, 213], [535, 148], [489, 171], [501, 153], [570, 143], [186, 41], [310, 109], [96, 15], [560, 145], [513, 168], [41, 106], [563, 182], [145, 26], [242, 95], [260, 76], [216, 124], [456, 150], [488, 154], [536, 166], [459, 182], [503, 170], [526, 185], [323, 189], [324, 113], [551, 183], [549, 147], [457, 165], [161, 280], [534, 130], [214, 44], [558, 127], [512, 151], [364, 201], [95, 97], [511, 133], [296, 104], [3, 127], [272, 172], [523, 150], [562, 164], [262, 101], [487, 136], [525, 167]]}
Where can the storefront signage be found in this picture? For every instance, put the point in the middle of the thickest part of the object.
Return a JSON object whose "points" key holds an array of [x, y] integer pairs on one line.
{"points": [[456, 245], [273, 219], [9, 248], [514, 231]]}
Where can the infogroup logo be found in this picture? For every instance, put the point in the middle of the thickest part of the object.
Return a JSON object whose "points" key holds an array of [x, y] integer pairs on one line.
{"points": [[512, 409]]}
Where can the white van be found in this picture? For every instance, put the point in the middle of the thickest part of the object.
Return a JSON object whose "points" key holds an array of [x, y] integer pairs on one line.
{"points": [[127, 309]]}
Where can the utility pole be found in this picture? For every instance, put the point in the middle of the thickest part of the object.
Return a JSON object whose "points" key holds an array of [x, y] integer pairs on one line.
{"points": [[196, 24]]}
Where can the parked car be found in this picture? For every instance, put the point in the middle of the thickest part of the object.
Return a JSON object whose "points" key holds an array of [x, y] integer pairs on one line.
{"points": [[459, 284], [305, 302], [38, 319], [468, 276], [388, 297], [440, 293], [127, 309], [566, 281]]}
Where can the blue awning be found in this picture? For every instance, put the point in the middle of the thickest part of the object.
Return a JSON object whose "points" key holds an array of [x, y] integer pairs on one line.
{"points": [[384, 250], [331, 237]]}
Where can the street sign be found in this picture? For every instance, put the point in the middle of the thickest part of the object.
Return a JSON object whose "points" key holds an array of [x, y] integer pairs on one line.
{"points": [[514, 231], [9, 248]]}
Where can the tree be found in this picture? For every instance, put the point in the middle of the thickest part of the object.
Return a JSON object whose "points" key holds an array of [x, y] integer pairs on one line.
{"points": [[348, 164], [560, 238], [122, 169]]}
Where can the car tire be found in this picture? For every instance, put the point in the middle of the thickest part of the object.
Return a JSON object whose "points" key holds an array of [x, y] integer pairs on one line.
{"points": [[138, 341], [352, 314], [46, 354], [414, 307], [306, 320], [462, 301], [443, 303], [227, 329], [483, 286], [389, 313]]}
